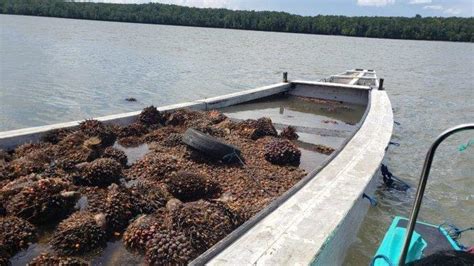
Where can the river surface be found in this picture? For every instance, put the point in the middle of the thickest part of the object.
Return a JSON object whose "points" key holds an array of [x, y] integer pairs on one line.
{"points": [[56, 70]]}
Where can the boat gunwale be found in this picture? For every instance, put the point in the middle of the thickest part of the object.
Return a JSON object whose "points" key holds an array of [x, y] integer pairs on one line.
{"points": [[207, 104], [274, 204], [12, 138]]}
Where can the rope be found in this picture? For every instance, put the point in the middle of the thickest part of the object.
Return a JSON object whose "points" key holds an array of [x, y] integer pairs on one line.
{"points": [[380, 256], [373, 201], [463, 147], [229, 157], [394, 143], [388, 178], [453, 231]]}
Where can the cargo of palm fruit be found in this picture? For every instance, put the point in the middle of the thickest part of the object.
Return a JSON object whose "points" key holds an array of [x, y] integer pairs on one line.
{"points": [[289, 132], [43, 201], [169, 247], [165, 201], [188, 186], [140, 231], [94, 128], [80, 233], [150, 116], [116, 154], [256, 129], [15, 234], [204, 223], [281, 151], [52, 259], [100, 172]]}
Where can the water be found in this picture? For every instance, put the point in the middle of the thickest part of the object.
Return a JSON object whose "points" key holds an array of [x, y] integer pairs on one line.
{"points": [[55, 70]]}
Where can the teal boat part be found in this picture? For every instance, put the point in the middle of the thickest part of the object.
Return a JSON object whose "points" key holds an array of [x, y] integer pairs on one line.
{"points": [[426, 240], [389, 251]]}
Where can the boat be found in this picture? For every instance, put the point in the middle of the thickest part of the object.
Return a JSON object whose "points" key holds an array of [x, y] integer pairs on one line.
{"points": [[409, 240], [316, 220]]}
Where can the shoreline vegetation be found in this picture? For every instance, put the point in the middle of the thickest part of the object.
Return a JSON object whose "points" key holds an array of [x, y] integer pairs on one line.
{"points": [[414, 28]]}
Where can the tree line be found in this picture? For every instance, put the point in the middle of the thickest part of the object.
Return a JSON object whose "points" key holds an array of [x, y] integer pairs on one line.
{"points": [[415, 28]]}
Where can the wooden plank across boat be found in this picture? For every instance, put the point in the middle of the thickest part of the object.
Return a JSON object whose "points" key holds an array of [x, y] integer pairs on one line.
{"points": [[316, 220]]}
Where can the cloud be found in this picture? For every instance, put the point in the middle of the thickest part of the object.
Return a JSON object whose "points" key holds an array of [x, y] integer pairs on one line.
{"points": [[453, 11], [375, 2], [418, 2], [433, 7]]}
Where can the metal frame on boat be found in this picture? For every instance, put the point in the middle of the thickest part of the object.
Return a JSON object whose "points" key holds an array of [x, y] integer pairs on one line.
{"points": [[317, 219]]}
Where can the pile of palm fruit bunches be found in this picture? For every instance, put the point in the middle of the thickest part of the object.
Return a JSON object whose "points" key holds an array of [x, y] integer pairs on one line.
{"points": [[77, 191]]}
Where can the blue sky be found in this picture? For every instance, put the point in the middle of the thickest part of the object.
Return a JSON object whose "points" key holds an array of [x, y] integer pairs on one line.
{"points": [[464, 8]]}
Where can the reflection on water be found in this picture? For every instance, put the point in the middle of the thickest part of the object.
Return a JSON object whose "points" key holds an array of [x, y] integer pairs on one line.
{"points": [[133, 153]]}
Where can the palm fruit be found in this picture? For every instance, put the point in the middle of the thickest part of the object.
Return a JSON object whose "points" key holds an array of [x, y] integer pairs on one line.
{"points": [[282, 152]]}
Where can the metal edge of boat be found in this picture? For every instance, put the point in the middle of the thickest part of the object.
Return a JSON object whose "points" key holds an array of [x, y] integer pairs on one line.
{"points": [[317, 219]]}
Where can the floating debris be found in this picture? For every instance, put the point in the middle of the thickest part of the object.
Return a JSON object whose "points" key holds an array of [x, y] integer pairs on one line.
{"points": [[330, 122], [282, 152], [289, 132], [324, 149], [188, 186], [80, 233], [130, 99], [15, 234]]}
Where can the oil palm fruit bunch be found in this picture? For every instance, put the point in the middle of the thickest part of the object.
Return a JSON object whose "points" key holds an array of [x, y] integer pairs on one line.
{"points": [[289, 133], [189, 186], [140, 231], [116, 154], [95, 128], [255, 129], [150, 116], [80, 233], [153, 166], [45, 201], [203, 222], [282, 152], [100, 172], [51, 260], [15, 234], [169, 247]]}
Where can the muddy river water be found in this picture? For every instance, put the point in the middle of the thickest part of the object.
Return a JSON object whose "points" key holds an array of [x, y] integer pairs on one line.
{"points": [[54, 70]]}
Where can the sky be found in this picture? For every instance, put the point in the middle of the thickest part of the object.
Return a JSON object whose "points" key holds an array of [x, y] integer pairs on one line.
{"points": [[407, 8]]}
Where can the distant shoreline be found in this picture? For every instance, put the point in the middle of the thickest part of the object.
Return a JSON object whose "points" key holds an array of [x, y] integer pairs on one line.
{"points": [[454, 29]]}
